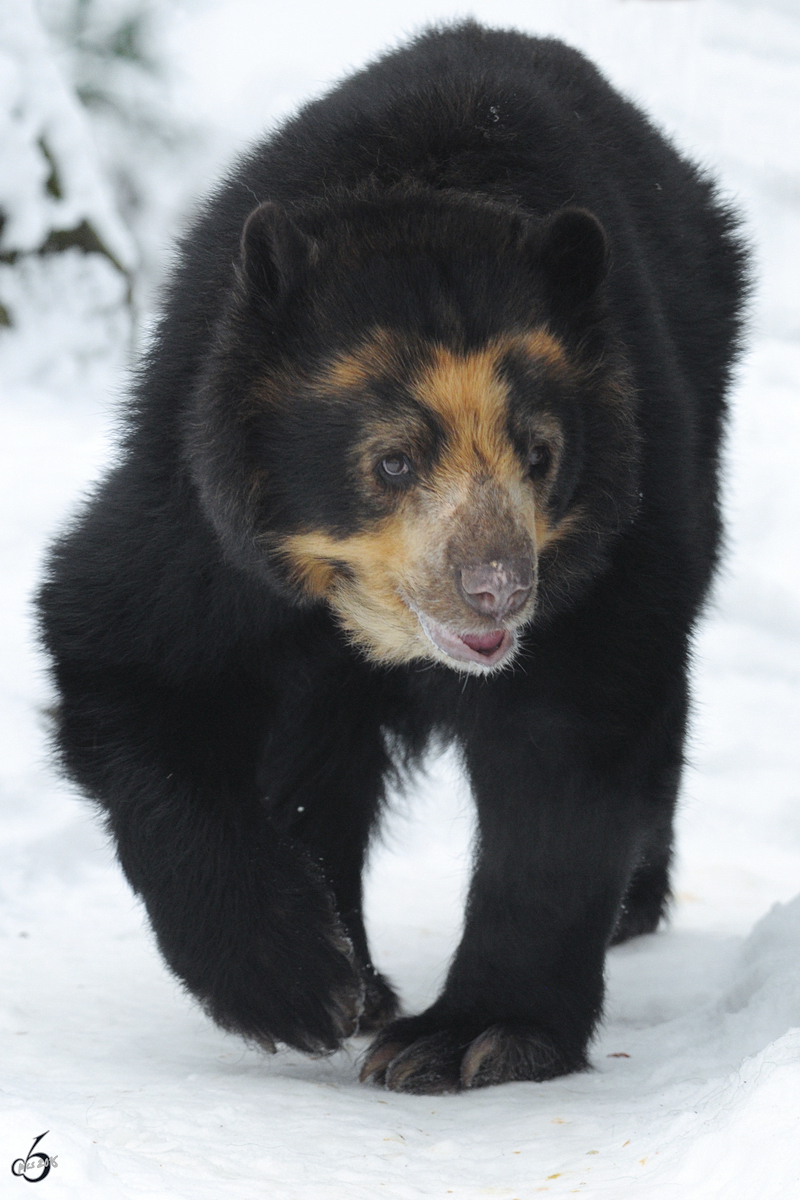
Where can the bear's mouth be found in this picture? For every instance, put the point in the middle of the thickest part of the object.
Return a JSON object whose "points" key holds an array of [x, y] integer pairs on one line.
{"points": [[484, 650]]}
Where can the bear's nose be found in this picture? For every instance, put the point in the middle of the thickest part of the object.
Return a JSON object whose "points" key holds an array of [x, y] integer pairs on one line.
{"points": [[499, 588]]}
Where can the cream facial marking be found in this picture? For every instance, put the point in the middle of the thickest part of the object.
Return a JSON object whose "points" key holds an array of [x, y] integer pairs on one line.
{"points": [[404, 588]]}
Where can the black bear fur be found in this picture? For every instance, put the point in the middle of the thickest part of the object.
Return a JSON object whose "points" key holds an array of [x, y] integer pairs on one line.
{"points": [[472, 185]]}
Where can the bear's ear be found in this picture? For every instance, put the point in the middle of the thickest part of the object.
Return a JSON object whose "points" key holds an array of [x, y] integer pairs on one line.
{"points": [[573, 251], [274, 251]]}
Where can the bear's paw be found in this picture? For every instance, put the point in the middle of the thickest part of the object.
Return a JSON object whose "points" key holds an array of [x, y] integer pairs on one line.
{"points": [[404, 1058]]}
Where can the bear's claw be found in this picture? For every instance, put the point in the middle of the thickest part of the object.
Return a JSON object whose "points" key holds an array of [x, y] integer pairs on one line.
{"points": [[449, 1061]]}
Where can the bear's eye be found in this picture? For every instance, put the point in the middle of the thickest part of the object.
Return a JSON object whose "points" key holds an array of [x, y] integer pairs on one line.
{"points": [[394, 466], [539, 458]]}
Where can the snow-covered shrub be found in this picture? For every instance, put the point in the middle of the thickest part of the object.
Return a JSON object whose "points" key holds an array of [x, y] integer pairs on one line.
{"points": [[112, 54], [66, 258]]}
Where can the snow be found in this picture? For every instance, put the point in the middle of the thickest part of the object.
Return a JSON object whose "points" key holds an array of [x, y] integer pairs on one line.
{"points": [[68, 310], [39, 108], [142, 1096]]}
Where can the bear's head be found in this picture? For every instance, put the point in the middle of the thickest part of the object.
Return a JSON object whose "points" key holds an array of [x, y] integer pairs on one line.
{"points": [[414, 412]]}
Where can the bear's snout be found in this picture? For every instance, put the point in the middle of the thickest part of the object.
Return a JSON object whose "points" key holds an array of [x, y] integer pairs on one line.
{"points": [[498, 588]]}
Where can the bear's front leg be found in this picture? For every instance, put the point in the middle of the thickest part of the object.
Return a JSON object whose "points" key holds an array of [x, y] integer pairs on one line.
{"points": [[324, 770], [242, 914], [558, 840]]}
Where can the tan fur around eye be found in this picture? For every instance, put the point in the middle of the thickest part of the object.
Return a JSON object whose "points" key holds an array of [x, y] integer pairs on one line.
{"points": [[376, 356]]}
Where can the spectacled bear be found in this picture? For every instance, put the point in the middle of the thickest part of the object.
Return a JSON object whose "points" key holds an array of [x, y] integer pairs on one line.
{"points": [[425, 446]]}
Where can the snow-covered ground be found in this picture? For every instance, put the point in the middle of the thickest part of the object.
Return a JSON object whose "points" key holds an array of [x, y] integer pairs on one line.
{"points": [[696, 1086]]}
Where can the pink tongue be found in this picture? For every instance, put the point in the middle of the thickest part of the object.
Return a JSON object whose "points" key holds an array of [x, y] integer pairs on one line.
{"points": [[484, 643]]}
